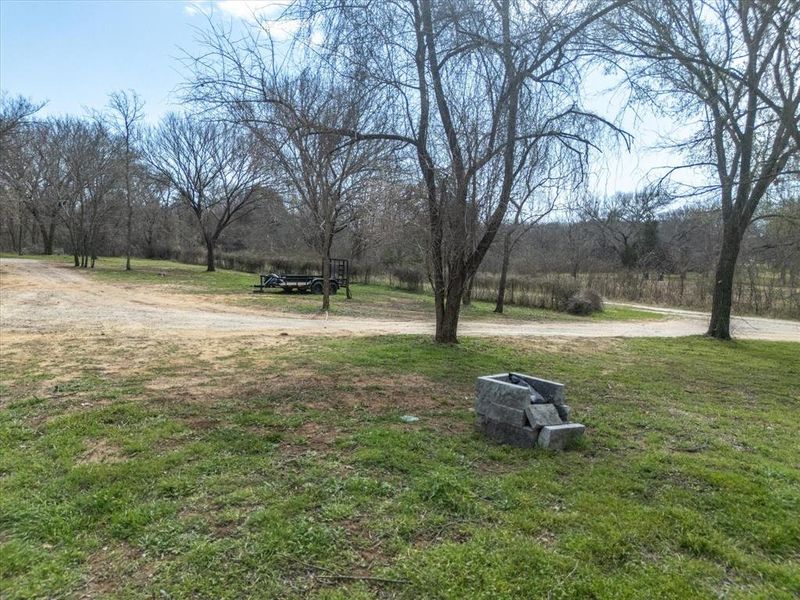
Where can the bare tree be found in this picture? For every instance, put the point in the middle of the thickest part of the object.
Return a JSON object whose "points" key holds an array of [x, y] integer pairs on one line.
{"points": [[626, 222], [33, 173], [20, 180], [324, 175], [459, 79], [15, 112], [733, 66], [89, 162], [213, 169], [127, 112], [551, 173]]}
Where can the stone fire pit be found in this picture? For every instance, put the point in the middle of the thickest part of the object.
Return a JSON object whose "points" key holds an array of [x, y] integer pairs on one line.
{"points": [[524, 411]]}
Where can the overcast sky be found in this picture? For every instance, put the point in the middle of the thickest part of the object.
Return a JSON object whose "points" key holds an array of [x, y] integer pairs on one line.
{"points": [[74, 53]]}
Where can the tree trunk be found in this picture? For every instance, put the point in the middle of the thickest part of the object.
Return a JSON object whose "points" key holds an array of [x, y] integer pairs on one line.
{"points": [[47, 238], [720, 325], [210, 263], [501, 289], [16, 237], [447, 326], [129, 233], [447, 314], [467, 299], [326, 280]]}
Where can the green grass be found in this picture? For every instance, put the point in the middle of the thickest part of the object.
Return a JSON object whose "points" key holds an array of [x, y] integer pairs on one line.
{"points": [[376, 301], [138, 468]]}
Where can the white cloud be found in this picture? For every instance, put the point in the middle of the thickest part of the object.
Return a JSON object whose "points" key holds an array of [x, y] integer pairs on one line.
{"points": [[198, 7], [247, 10], [265, 12], [253, 9]]}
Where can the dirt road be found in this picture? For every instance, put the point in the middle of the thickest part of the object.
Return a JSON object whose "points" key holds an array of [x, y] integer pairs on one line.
{"points": [[40, 296]]}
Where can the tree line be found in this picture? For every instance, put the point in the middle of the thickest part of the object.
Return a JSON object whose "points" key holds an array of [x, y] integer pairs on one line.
{"points": [[438, 137]]}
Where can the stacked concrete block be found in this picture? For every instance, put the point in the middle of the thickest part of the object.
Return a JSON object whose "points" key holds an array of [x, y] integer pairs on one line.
{"points": [[524, 411]]}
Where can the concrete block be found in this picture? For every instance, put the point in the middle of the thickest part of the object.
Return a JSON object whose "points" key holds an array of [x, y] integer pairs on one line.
{"points": [[552, 391], [557, 437], [503, 433], [539, 415], [512, 416], [493, 389], [564, 412]]}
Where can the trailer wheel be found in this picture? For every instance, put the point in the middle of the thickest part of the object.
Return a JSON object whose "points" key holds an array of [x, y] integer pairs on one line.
{"points": [[334, 287], [316, 287]]}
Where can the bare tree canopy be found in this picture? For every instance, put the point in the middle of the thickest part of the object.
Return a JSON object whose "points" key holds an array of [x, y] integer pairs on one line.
{"points": [[463, 86], [127, 112], [213, 169], [14, 113], [732, 67]]}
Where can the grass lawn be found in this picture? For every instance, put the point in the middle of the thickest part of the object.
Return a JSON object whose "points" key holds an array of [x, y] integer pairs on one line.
{"points": [[141, 468], [374, 301]]}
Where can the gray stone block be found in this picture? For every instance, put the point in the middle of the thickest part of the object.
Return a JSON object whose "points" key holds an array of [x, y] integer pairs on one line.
{"points": [[564, 412], [539, 415], [552, 391], [503, 433], [512, 416], [557, 437], [493, 389]]}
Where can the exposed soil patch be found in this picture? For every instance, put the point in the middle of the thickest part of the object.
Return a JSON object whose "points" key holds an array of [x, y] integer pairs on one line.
{"points": [[100, 451]]}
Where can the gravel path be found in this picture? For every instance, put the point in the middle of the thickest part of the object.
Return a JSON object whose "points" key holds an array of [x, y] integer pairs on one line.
{"points": [[40, 296]]}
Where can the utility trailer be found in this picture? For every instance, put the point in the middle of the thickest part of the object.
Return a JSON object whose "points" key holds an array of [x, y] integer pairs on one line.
{"points": [[340, 278]]}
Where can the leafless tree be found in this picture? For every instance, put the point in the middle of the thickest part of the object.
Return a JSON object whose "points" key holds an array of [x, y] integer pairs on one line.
{"points": [[626, 221], [324, 176], [733, 68], [549, 175], [18, 182], [33, 174], [459, 79], [15, 112], [88, 160], [301, 118], [127, 112], [213, 169]]}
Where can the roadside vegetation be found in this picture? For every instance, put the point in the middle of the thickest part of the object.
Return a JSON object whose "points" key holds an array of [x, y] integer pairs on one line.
{"points": [[141, 467]]}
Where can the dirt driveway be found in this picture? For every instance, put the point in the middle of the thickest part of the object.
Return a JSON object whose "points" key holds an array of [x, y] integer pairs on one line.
{"points": [[40, 296]]}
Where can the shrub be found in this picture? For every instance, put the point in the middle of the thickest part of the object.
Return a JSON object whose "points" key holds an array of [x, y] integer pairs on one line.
{"points": [[408, 279], [584, 302], [561, 292]]}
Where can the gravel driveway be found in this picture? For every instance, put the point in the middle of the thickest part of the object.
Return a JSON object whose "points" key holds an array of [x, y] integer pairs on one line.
{"points": [[41, 296]]}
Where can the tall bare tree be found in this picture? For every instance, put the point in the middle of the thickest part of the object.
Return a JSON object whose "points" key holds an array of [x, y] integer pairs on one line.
{"points": [[127, 112], [15, 112], [625, 220], [325, 176], [213, 169], [732, 67], [31, 172], [20, 176], [89, 161], [458, 80]]}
